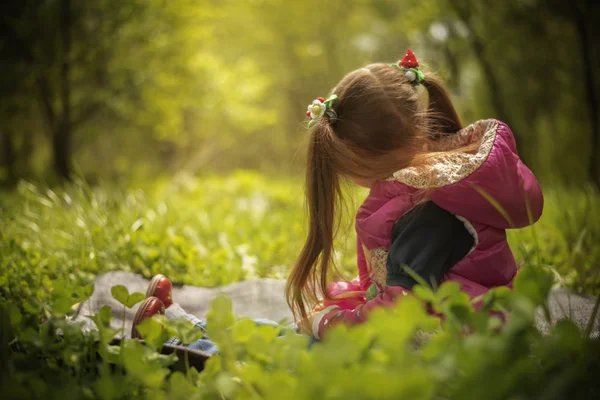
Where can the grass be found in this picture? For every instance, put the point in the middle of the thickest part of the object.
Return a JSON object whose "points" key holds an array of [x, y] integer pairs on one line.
{"points": [[566, 239], [213, 230]]}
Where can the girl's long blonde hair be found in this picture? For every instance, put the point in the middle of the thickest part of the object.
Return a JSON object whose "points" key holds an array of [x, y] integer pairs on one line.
{"points": [[380, 127]]}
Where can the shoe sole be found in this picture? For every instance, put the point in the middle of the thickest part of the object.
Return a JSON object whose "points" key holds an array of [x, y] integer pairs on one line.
{"points": [[138, 318], [153, 284]]}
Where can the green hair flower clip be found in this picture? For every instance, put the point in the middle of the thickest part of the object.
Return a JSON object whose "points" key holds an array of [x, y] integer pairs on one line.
{"points": [[321, 107]]}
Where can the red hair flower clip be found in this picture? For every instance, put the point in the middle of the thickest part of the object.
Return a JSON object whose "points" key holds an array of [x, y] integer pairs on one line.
{"points": [[410, 65]]}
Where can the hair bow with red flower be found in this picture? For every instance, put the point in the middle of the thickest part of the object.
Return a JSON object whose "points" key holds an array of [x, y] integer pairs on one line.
{"points": [[410, 65]]}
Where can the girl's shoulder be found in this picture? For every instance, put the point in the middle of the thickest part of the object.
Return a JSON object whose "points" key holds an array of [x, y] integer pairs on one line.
{"points": [[490, 185], [446, 167]]}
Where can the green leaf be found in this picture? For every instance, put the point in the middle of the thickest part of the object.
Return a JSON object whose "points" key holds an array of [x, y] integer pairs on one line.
{"points": [[143, 364], [153, 331], [226, 384], [462, 313], [15, 314], [535, 283], [243, 329], [134, 298], [181, 388], [102, 320], [104, 316], [64, 296], [258, 346], [221, 313], [111, 386], [85, 292], [424, 293], [447, 290], [567, 336], [184, 330], [113, 354], [496, 298], [494, 323], [120, 293]]}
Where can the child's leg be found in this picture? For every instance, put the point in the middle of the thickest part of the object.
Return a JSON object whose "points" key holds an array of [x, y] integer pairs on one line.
{"points": [[348, 295], [160, 287], [175, 311]]}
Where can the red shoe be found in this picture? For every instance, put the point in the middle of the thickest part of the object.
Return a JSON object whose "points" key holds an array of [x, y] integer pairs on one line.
{"points": [[149, 307], [160, 286]]}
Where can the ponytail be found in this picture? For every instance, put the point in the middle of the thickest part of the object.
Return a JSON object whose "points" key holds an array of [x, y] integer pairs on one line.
{"points": [[322, 193], [441, 115]]}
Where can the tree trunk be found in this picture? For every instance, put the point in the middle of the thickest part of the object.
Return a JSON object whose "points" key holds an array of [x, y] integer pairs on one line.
{"points": [[583, 25], [23, 166], [61, 136], [451, 61], [61, 149], [8, 154]]}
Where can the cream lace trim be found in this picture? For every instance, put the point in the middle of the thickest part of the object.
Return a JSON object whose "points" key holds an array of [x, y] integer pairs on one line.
{"points": [[377, 263], [450, 168], [472, 231]]}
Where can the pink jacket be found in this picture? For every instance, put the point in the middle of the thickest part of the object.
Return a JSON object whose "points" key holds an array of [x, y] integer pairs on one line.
{"points": [[489, 191]]}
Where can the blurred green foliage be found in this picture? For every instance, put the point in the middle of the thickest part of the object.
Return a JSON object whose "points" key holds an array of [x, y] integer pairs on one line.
{"points": [[134, 88]]}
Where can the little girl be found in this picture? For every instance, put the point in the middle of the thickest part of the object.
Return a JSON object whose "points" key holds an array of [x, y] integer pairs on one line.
{"points": [[441, 196]]}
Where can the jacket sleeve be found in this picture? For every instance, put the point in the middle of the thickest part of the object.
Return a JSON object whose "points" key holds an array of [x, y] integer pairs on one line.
{"points": [[502, 193], [533, 199], [334, 315], [429, 240], [528, 192]]}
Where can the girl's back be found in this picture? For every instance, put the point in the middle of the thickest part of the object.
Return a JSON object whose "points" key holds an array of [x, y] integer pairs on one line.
{"points": [[488, 190]]}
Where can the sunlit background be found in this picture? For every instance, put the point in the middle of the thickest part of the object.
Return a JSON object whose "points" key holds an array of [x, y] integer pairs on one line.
{"points": [[131, 89], [179, 124], [144, 137]]}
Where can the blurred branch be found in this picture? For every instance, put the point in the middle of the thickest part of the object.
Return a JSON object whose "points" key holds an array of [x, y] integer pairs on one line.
{"points": [[451, 59], [477, 44], [61, 139], [11, 36], [583, 25], [464, 14], [8, 154], [44, 97], [65, 70], [86, 113], [25, 53]]}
